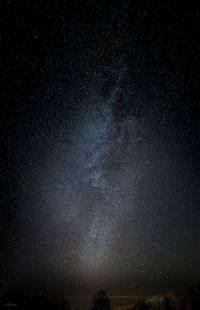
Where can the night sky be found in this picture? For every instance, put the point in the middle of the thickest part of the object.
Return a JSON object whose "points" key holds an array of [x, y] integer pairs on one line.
{"points": [[100, 152]]}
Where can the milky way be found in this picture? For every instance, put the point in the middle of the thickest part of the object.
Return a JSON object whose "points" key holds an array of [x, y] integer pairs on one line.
{"points": [[106, 191], [98, 165], [100, 147]]}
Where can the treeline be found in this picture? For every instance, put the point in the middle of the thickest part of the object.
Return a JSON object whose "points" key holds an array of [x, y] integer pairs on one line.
{"points": [[101, 301]]}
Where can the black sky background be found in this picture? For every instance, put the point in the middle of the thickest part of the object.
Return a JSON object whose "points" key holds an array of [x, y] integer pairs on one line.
{"points": [[99, 146]]}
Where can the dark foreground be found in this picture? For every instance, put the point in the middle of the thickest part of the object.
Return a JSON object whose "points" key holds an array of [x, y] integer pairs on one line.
{"points": [[101, 301]]}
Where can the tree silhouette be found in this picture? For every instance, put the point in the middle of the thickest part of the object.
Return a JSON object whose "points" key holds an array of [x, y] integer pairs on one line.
{"points": [[101, 301], [167, 304], [142, 307]]}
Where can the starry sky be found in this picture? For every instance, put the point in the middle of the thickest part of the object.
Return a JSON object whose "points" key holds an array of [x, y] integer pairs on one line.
{"points": [[100, 146]]}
